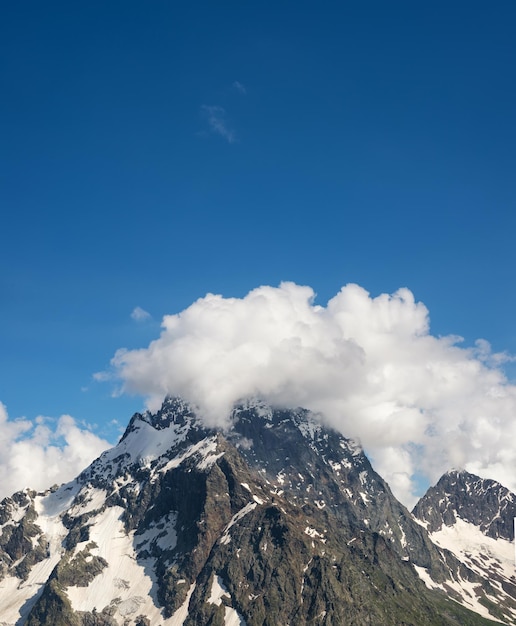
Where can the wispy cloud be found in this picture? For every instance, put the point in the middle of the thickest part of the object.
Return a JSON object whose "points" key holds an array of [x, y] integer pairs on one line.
{"points": [[419, 403], [240, 87], [139, 315], [217, 122]]}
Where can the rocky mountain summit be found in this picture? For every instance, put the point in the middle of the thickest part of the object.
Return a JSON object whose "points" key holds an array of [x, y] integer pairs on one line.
{"points": [[474, 519], [276, 520], [481, 502]]}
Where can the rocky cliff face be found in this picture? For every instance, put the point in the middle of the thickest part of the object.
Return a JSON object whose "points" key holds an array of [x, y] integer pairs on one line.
{"points": [[278, 520]]}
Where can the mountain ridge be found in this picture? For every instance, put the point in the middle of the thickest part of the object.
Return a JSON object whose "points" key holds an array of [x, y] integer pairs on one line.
{"points": [[274, 520]]}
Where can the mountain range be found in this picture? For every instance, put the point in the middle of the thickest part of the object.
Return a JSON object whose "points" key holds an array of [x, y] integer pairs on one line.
{"points": [[276, 520]]}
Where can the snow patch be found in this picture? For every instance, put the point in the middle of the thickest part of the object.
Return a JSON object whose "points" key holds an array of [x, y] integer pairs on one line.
{"points": [[465, 539], [225, 539], [308, 426], [178, 618], [480, 553], [125, 583], [218, 590], [233, 618], [209, 456], [17, 597], [205, 447], [91, 499], [161, 534], [365, 497], [403, 538], [145, 444], [311, 532]]}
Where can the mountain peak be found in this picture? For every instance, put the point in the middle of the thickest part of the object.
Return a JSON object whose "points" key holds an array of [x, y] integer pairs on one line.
{"points": [[473, 518], [174, 411], [275, 520], [479, 501]]}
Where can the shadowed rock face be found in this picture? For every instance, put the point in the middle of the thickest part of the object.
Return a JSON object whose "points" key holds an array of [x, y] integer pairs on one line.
{"points": [[278, 520]]}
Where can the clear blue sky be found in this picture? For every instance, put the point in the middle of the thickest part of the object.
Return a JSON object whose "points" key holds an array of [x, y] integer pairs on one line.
{"points": [[151, 152]]}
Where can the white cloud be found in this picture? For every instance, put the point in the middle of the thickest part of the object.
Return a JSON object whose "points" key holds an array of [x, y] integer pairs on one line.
{"points": [[217, 123], [139, 315], [240, 87], [419, 403], [43, 451]]}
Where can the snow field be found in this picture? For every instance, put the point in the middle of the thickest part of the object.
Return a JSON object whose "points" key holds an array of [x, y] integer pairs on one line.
{"points": [[464, 539], [125, 579]]}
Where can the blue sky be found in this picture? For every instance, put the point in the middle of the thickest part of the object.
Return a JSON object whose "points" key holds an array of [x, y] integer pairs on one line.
{"points": [[153, 152]]}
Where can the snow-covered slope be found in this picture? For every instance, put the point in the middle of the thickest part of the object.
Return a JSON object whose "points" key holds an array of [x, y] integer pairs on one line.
{"points": [[27, 565]]}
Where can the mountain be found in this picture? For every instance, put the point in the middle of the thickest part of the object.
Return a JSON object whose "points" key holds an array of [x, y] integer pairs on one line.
{"points": [[277, 520], [474, 519]]}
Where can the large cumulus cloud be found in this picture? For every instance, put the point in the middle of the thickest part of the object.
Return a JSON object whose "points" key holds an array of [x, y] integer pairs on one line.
{"points": [[38, 453], [420, 404]]}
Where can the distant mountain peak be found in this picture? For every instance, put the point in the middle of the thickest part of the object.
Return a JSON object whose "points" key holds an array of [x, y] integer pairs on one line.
{"points": [[473, 518], [479, 501]]}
